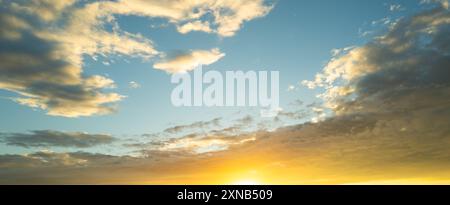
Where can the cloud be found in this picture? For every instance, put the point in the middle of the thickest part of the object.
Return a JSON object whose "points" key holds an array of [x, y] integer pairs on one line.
{"points": [[227, 16], [198, 144], [198, 137], [444, 3], [246, 120], [133, 85], [291, 88], [408, 64], [293, 115], [50, 138], [74, 167], [195, 26], [230, 15], [188, 61], [46, 10], [195, 125], [395, 7]]}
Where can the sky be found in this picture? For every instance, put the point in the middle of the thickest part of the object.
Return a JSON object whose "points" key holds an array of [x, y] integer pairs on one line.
{"points": [[85, 92]]}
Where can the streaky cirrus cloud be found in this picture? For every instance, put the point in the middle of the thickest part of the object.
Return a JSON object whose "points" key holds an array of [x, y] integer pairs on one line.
{"points": [[51, 138]]}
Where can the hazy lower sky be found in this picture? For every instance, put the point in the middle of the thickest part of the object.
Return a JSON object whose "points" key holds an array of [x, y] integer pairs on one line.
{"points": [[85, 87]]}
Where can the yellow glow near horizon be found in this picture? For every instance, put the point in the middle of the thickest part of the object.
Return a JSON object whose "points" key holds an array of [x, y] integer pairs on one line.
{"points": [[247, 182]]}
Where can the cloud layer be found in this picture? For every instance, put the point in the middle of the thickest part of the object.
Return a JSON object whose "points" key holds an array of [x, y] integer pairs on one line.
{"points": [[49, 138]]}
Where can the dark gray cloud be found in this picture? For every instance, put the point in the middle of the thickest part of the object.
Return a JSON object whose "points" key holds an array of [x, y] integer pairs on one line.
{"points": [[46, 167], [37, 70], [49, 138]]}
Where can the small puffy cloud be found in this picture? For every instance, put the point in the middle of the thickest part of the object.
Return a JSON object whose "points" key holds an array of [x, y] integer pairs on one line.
{"points": [[395, 7], [50, 138], [133, 85], [189, 60], [291, 88]]}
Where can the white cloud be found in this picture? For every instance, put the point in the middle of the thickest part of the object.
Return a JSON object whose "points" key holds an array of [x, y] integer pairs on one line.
{"points": [[97, 81], [195, 26], [228, 16], [291, 88], [189, 61], [204, 144], [395, 7]]}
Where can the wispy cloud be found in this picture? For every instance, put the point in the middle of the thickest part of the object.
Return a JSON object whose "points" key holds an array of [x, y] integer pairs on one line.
{"points": [[395, 7]]}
